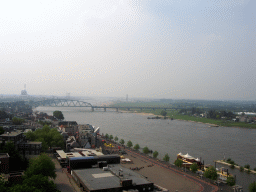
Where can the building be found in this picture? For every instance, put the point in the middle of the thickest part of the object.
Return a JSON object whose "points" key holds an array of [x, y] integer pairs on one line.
{"points": [[4, 163], [30, 148], [70, 127], [15, 136], [19, 140], [111, 178]]}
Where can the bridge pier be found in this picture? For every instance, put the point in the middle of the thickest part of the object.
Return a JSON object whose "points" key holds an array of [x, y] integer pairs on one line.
{"points": [[105, 109], [116, 109], [92, 109]]}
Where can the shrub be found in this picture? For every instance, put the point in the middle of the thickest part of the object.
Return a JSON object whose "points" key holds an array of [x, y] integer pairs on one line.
{"points": [[247, 166], [229, 159], [254, 169], [241, 168], [232, 166]]}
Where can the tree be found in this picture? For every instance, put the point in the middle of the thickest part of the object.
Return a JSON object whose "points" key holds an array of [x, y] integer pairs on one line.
{"points": [[1, 130], [111, 137], [107, 136], [241, 168], [58, 115], [211, 173], [136, 147], [146, 150], [231, 181], [49, 137], [163, 113], [194, 167], [166, 158], [155, 154], [178, 162], [129, 144], [252, 187], [122, 141], [35, 183], [17, 121], [116, 139], [41, 165]]}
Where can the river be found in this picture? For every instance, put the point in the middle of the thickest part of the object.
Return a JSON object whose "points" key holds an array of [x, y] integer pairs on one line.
{"points": [[173, 137]]}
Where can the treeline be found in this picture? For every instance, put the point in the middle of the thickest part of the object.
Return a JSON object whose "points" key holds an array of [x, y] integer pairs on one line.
{"points": [[212, 114]]}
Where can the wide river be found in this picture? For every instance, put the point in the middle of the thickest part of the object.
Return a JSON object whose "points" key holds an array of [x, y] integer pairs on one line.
{"points": [[173, 137]]}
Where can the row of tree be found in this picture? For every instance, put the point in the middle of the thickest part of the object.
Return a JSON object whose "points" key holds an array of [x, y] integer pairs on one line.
{"points": [[136, 147]]}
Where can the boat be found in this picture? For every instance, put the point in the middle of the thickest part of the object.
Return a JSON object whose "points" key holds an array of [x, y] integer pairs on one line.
{"points": [[189, 160], [223, 173]]}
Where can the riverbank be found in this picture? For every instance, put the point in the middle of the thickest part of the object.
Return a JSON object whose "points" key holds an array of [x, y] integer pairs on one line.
{"points": [[173, 114]]}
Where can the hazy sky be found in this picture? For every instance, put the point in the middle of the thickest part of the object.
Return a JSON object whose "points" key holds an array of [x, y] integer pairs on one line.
{"points": [[192, 49]]}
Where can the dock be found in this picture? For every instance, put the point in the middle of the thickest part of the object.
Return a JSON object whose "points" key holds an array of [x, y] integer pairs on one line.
{"points": [[236, 166]]}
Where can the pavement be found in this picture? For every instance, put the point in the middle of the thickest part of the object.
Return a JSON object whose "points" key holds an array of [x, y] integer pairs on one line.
{"points": [[62, 181], [164, 175]]}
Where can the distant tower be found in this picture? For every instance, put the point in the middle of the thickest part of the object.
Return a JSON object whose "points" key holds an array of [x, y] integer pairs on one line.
{"points": [[126, 97], [24, 92]]}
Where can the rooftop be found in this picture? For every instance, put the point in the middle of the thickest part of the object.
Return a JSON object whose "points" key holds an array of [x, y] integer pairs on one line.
{"points": [[13, 133], [97, 178]]}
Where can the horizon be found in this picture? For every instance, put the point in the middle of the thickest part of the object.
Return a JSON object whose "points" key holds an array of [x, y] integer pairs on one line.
{"points": [[150, 49]]}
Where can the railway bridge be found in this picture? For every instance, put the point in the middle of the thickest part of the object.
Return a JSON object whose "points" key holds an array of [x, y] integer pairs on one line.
{"points": [[78, 103]]}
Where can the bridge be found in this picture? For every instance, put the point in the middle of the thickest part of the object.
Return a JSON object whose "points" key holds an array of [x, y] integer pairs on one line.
{"points": [[77, 103]]}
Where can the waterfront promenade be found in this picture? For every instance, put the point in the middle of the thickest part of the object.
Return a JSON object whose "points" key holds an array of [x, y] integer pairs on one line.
{"points": [[164, 175]]}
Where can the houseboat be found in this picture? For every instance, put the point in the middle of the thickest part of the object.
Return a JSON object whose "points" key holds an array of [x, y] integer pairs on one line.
{"points": [[189, 160]]}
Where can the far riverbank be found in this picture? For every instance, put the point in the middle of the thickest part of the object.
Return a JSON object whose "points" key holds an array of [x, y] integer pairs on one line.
{"points": [[211, 122]]}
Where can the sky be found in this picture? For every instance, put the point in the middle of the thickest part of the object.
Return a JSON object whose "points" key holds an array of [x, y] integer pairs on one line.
{"points": [[177, 49]]}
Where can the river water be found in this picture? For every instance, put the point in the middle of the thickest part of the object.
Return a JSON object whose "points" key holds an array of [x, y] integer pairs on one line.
{"points": [[173, 137]]}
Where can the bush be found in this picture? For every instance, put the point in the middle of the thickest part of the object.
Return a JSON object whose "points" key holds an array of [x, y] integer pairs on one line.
{"points": [[247, 166], [231, 181], [241, 168], [194, 167], [229, 159], [232, 166], [254, 169], [178, 162]]}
